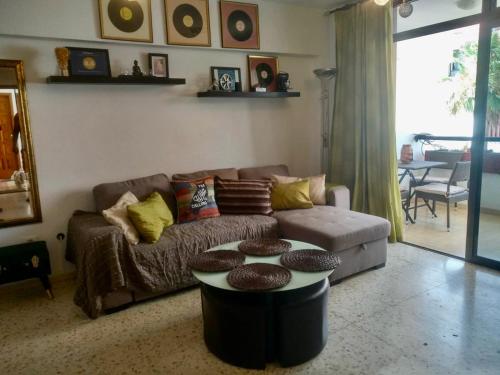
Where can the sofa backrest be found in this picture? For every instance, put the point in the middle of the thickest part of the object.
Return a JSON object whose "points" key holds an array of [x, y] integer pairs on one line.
{"points": [[106, 195], [263, 173], [226, 174]]}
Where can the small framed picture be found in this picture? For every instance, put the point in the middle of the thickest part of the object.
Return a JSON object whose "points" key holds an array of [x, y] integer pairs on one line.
{"points": [[126, 20], [158, 65], [239, 24], [188, 22], [228, 79], [263, 71], [88, 62]]}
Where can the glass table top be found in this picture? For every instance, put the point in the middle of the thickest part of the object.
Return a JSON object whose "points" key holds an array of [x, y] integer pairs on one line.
{"points": [[299, 279]]}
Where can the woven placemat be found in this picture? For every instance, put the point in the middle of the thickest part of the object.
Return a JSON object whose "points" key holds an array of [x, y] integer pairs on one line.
{"points": [[216, 261], [264, 247], [259, 277], [310, 260]]}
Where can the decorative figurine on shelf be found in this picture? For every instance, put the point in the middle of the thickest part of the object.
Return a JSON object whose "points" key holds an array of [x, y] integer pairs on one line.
{"points": [[214, 86], [136, 70], [283, 81], [62, 55]]}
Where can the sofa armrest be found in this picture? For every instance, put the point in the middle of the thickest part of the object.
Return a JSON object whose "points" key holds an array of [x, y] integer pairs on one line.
{"points": [[84, 227], [338, 196]]}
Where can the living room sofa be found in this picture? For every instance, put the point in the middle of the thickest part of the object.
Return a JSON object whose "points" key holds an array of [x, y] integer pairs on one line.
{"points": [[112, 273]]}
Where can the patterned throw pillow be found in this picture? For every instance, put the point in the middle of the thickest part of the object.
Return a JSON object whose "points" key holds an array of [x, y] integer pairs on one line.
{"points": [[245, 197], [195, 199]]}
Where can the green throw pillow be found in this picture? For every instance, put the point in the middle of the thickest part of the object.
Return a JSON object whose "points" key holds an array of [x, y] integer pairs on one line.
{"points": [[150, 217], [291, 196]]}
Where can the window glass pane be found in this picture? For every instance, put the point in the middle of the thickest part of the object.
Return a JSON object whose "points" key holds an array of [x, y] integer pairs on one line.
{"points": [[489, 222], [429, 12]]}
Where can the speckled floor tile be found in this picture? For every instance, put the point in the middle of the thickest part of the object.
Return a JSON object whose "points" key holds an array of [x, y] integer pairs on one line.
{"points": [[379, 323]]}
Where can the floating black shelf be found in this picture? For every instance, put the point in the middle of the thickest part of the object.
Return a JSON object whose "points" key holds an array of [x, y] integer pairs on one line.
{"points": [[126, 80], [248, 94]]}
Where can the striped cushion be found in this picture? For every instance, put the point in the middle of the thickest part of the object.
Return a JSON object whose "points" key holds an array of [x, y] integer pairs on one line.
{"points": [[195, 199], [243, 197]]}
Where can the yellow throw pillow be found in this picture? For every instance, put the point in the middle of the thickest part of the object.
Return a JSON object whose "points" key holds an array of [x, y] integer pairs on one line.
{"points": [[151, 217], [291, 196], [317, 189]]}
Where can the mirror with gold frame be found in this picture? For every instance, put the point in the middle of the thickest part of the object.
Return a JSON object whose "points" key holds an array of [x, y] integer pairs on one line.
{"points": [[19, 198]]}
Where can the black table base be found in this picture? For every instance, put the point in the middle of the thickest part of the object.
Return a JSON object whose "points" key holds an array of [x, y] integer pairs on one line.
{"points": [[250, 329]]}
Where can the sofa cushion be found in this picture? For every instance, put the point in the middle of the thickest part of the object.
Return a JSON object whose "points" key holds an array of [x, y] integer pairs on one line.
{"points": [[118, 215], [294, 195], [106, 195], [261, 173], [226, 173], [150, 217], [243, 197], [195, 199], [331, 228]]}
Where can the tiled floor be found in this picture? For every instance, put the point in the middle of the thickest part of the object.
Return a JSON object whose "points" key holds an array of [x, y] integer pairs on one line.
{"points": [[423, 313], [431, 232]]}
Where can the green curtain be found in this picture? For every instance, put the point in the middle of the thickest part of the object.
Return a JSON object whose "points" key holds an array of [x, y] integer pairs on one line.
{"points": [[364, 130]]}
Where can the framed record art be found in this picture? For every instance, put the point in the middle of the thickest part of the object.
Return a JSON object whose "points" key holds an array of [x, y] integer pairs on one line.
{"points": [[239, 25], [188, 22], [228, 79], [262, 71], [126, 20]]}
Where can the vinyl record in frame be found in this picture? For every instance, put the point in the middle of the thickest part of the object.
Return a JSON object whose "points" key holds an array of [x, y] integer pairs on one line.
{"points": [[239, 25]]}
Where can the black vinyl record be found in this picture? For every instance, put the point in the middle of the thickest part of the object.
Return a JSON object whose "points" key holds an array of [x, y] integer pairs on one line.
{"points": [[265, 74], [187, 20], [240, 25], [126, 16]]}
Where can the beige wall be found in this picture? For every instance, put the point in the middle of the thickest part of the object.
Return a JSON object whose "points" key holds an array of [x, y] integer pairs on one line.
{"points": [[85, 135]]}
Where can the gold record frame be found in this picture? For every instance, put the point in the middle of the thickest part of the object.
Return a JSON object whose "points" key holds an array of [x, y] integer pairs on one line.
{"points": [[150, 25], [257, 23], [26, 138], [209, 32], [260, 57]]}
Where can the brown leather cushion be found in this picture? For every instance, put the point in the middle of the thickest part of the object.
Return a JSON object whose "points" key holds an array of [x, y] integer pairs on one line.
{"points": [[331, 228], [261, 173], [248, 197], [106, 195], [226, 173]]}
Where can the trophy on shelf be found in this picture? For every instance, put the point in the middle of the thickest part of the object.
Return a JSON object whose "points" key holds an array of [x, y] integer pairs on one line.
{"points": [[62, 55]]}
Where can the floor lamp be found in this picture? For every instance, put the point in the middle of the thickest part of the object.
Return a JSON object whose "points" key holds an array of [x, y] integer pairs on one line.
{"points": [[325, 75]]}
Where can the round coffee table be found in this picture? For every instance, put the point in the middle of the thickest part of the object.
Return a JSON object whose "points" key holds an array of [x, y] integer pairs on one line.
{"points": [[248, 329]]}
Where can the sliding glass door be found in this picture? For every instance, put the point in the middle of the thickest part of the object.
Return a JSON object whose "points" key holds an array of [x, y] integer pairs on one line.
{"points": [[485, 228], [475, 72]]}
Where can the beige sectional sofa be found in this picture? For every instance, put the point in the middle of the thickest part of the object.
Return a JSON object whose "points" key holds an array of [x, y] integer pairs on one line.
{"points": [[112, 273]]}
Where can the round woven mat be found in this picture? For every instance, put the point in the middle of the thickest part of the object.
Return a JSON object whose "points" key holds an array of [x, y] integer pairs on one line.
{"points": [[258, 277], [310, 260], [216, 261], [264, 247]]}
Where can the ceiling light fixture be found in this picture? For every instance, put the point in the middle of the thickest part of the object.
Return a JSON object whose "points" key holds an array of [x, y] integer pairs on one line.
{"points": [[381, 2], [405, 9]]}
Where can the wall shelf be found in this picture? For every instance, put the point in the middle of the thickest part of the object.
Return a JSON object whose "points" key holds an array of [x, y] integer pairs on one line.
{"points": [[127, 80], [248, 94]]}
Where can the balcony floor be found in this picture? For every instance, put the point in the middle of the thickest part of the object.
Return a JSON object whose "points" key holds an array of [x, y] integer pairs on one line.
{"points": [[431, 232]]}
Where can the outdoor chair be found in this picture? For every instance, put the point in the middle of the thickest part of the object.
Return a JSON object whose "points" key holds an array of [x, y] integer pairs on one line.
{"points": [[448, 193]]}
